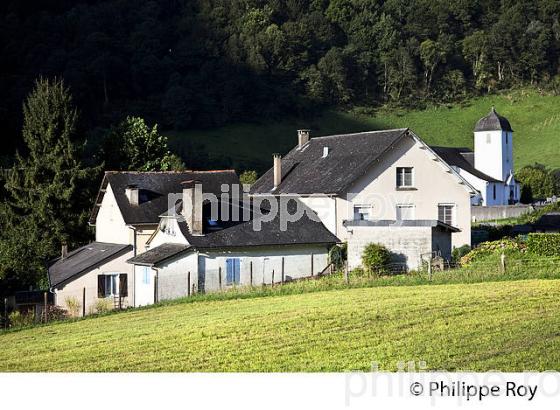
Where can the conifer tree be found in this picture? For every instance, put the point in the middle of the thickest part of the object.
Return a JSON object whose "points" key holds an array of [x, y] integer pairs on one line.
{"points": [[47, 193]]}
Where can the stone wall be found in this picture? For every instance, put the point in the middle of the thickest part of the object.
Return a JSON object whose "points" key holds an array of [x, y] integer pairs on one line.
{"points": [[489, 213]]}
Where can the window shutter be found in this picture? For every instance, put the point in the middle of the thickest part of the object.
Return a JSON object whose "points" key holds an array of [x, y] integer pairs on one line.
{"points": [[101, 286], [237, 264], [123, 284]]}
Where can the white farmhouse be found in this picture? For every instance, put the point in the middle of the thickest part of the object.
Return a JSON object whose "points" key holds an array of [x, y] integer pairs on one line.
{"points": [[125, 216], [490, 167], [385, 187], [194, 250]]}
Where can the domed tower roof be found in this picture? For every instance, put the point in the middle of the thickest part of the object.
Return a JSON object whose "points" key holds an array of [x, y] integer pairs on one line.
{"points": [[493, 122]]}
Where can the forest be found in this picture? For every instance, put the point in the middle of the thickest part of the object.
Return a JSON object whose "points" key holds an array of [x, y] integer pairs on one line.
{"points": [[202, 63]]}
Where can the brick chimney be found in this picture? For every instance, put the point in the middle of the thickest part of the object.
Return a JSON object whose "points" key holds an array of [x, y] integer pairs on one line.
{"points": [[131, 192], [277, 169], [192, 205], [303, 137]]}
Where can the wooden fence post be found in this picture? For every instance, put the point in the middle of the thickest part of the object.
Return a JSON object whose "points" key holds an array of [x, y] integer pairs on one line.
{"points": [[430, 268], [220, 277], [84, 302], [189, 283], [156, 288], [311, 264], [251, 273], [272, 277], [282, 278], [503, 263], [45, 300]]}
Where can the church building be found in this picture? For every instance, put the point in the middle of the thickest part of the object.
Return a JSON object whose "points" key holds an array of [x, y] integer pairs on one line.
{"points": [[490, 167]]}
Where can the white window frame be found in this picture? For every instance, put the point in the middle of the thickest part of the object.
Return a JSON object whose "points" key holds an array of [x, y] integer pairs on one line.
{"points": [[114, 286], [453, 213], [401, 172], [362, 206], [407, 206]]}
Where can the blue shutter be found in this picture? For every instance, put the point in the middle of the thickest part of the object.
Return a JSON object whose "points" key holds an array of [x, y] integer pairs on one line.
{"points": [[230, 274], [237, 269]]}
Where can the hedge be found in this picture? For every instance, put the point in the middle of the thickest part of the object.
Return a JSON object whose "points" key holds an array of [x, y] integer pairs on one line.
{"points": [[544, 244]]}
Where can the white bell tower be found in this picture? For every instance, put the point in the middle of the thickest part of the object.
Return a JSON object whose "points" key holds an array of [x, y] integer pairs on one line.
{"points": [[493, 146]]}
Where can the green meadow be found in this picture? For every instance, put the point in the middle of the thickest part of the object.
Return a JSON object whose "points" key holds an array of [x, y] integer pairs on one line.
{"points": [[508, 326], [535, 118]]}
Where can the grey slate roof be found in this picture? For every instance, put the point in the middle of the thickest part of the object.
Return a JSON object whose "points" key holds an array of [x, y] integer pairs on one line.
{"points": [[305, 171], [242, 233], [154, 188], [158, 254], [433, 223], [462, 158], [83, 260], [493, 122]]}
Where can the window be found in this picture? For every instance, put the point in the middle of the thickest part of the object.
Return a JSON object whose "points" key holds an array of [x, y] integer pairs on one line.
{"points": [[146, 276], [404, 177], [405, 212], [488, 138], [362, 212], [506, 138], [446, 213], [233, 266], [112, 284]]}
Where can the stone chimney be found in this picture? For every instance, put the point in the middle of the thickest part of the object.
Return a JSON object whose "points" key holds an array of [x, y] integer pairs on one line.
{"points": [[303, 137], [131, 192], [277, 169], [192, 205], [64, 252]]}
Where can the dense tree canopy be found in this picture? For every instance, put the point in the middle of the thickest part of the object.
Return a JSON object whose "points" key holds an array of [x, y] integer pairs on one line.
{"points": [[199, 63]]}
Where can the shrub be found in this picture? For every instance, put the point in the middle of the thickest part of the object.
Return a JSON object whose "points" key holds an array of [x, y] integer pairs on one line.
{"points": [[18, 319], [459, 252], [56, 313], [486, 249], [103, 306], [544, 244], [338, 255], [73, 305], [375, 257]]}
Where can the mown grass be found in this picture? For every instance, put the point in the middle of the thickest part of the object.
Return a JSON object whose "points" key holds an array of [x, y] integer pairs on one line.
{"points": [[534, 117], [510, 325]]}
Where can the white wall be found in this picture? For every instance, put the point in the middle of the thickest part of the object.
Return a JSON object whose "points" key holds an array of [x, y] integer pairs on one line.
{"points": [[433, 185], [495, 158], [407, 244], [205, 267], [110, 226], [74, 289]]}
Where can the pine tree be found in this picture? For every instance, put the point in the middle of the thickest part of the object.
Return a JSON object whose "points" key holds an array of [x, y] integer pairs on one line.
{"points": [[47, 194]]}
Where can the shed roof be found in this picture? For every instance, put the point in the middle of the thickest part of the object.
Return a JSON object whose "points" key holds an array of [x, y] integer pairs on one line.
{"points": [[83, 260], [158, 254]]}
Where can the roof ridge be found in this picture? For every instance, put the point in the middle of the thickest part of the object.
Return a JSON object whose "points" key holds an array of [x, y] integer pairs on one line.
{"points": [[170, 172], [361, 132]]}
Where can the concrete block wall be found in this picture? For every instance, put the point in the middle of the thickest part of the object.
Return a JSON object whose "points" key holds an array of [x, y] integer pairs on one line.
{"points": [[407, 243]]}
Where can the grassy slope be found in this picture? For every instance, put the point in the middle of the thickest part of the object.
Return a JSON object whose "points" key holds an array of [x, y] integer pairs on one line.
{"points": [[535, 120], [505, 326]]}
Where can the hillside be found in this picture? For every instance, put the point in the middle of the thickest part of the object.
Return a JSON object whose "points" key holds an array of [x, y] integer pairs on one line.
{"points": [[509, 326], [535, 119]]}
